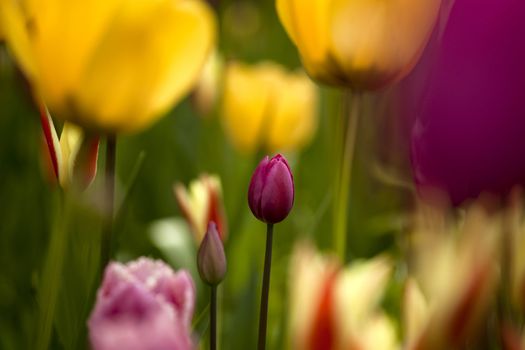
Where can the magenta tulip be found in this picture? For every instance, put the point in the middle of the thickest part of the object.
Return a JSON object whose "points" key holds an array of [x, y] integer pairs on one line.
{"points": [[271, 192], [469, 137]]}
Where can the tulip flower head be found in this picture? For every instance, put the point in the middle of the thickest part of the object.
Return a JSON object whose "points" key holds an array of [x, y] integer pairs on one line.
{"points": [[202, 203], [363, 44], [143, 305], [455, 275], [338, 308], [113, 65], [73, 158], [264, 106], [271, 191], [468, 136], [211, 260]]}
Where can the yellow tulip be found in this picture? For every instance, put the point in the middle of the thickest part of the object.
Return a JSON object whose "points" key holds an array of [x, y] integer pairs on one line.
{"points": [[363, 44], [111, 65], [266, 106]]}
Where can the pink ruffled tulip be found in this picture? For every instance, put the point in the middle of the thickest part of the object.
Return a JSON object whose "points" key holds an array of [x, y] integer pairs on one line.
{"points": [[143, 305]]}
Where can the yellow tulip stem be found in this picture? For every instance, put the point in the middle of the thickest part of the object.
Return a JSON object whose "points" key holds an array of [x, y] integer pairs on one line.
{"points": [[50, 281], [351, 110], [107, 233]]}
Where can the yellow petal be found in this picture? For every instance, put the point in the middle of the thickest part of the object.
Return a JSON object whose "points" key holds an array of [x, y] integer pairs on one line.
{"points": [[64, 35], [247, 93], [379, 333], [295, 114], [415, 312], [310, 18], [360, 288], [70, 141], [308, 273], [150, 57], [284, 11], [377, 41], [13, 25]]}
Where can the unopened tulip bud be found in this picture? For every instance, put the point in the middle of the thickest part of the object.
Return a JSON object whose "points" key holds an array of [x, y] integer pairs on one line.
{"points": [[211, 260], [73, 157], [271, 192]]}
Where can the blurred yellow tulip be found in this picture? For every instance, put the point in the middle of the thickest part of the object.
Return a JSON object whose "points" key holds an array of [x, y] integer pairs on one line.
{"points": [[109, 65], [334, 308], [266, 106], [363, 44]]}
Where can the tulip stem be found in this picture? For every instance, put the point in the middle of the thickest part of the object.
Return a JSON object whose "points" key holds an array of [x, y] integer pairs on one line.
{"points": [[107, 233], [213, 318], [263, 316], [51, 279], [351, 110]]}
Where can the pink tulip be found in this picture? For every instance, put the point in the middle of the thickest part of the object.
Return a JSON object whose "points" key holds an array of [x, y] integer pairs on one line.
{"points": [[143, 305]]}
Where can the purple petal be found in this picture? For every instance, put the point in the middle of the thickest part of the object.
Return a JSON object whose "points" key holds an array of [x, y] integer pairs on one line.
{"points": [[278, 193], [256, 187]]}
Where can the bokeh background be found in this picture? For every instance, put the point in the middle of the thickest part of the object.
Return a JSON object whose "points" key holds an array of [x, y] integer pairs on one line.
{"points": [[179, 148]]}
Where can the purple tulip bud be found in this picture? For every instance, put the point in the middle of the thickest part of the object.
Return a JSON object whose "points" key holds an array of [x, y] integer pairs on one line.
{"points": [[211, 260], [143, 305], [271, 192]]}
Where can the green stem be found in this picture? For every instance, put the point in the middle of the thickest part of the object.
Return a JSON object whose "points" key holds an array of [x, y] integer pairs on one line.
{"points": [[350, 111], [50, 283], [213, 318], [263, 316], [107, 233]]}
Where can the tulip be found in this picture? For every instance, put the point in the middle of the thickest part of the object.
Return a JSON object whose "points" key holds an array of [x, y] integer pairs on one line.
{"points": [[73, 158], [264, 106], [211, 261], [363, 44], [270, 197], [109, 65], [338, 308], [468, 138], [455, 274], [201, 203], [271, 192], [143, 305]]}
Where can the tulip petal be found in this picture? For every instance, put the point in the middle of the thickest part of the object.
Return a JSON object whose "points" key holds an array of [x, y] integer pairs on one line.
{"points": [[295, 118], [64, 36], [14, 29], [150, 57], [70, 141], [311, 22], [277, 194], [380, 41], [246, 102], [256, 187], [285, 13]]}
